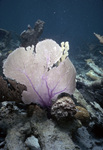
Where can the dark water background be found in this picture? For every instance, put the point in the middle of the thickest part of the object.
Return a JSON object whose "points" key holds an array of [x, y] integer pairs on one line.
{"points": [[71, 20]]}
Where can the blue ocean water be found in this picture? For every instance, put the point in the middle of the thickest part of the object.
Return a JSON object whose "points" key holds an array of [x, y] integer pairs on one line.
{"points": [[72, 20]]}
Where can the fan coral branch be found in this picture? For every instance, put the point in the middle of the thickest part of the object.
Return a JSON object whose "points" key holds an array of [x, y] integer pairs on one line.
{"points": [[41, 99]]}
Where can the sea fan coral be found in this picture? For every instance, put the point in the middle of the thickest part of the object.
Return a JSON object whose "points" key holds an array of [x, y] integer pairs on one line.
{"points": [[39, 72]]}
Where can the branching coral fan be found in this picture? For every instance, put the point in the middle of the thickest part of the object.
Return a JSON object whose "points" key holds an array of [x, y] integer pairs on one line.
{"points": [[39, 72]]}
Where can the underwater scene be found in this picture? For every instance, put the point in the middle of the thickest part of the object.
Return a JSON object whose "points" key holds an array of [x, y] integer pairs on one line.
{"points": [[51, 75]]}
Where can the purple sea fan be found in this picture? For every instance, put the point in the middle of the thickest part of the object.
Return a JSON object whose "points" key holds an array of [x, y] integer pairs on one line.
{"points": [[38, 72]]}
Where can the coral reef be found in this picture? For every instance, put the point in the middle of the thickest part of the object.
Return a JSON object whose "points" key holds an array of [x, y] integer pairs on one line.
{"points": [[28, 126]]}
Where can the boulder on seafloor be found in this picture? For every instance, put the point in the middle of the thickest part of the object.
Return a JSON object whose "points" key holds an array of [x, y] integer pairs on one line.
{"points": [[33, 143]]}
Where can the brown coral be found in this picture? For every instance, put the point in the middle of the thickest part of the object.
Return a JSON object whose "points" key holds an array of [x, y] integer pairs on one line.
{"points": [[30, 36], [63, 108], [82, 114], [10, 90]]}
